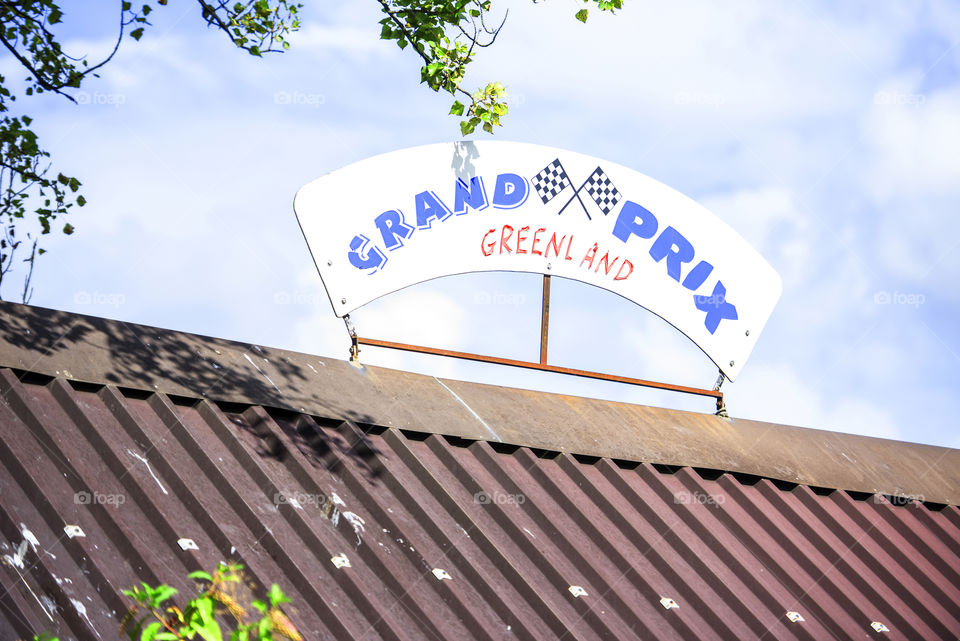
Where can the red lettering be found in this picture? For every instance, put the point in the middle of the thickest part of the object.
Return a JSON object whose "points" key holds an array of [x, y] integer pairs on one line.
{"points": [[520, 238], [569, 242], [486, 248], [607, 265], [533, 250], [625, 263], [591, 254], [504, 237], [553, 243]]}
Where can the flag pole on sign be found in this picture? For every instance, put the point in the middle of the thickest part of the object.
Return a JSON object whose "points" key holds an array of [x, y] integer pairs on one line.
{"points": [[551, 181], [602, 191]]}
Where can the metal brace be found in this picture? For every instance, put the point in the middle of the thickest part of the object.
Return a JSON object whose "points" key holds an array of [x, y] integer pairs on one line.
{"points": [[720, 380], [354, 344], [721, 406]]}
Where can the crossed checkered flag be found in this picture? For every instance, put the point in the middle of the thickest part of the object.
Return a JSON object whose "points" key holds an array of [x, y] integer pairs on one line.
{"points": [[551, 181], [602, 191]]}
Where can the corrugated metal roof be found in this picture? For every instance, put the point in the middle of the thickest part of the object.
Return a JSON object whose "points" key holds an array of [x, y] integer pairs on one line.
{"points": [[84, 348], [515, 528]]}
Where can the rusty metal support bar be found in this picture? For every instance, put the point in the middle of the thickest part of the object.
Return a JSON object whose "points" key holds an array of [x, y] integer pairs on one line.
{"points": [[696, 391], [545, 320]]}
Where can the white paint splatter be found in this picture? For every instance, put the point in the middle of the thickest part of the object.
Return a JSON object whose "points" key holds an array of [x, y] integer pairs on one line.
{"points": [[28, 536], [82, 611], [149, 469], [17, 559], [49, 604]]}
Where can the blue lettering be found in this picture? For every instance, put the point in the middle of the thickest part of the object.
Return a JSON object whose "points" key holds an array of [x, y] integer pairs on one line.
{"points": [[474, 196], [716, 307], [677, 249], [634, 219], [428, 208], [393, 228], [363, 258], [511, 191], [697, 276]]}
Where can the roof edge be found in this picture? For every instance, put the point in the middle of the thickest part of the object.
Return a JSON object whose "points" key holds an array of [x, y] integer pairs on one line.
{"points": [[96, 350]]}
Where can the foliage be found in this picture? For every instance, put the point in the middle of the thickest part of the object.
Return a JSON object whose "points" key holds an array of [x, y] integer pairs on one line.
{"points": [[28, 185], [446, 34], [220, 595]]}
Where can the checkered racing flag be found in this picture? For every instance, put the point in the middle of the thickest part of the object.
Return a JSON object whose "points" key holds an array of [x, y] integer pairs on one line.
{"points": [[551, 181], [602, 191]]}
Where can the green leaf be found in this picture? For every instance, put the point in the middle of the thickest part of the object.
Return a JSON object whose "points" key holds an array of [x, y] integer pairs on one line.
{"points": [[126, 6], [163, 592], [205, 609], [81, 201], [277, 596], [137, 33], [457, 108], [210, 631], [199, 575], [582, 15], [68, 229], [467, 127], [150, 632]]}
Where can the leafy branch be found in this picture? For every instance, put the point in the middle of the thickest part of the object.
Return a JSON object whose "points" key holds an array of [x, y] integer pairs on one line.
{"points": [[221, 595], [256, 26], [446, 34]]}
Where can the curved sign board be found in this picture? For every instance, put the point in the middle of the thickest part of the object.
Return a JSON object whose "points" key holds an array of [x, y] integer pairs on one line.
{"points": [[405, 217]]}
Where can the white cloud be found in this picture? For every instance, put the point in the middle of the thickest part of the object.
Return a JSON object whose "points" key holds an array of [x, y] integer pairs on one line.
{"points": [[777, 393]]}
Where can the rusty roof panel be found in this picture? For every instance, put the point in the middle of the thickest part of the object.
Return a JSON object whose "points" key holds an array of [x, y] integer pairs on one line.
{"points": [[83, 348], [447, 538]]}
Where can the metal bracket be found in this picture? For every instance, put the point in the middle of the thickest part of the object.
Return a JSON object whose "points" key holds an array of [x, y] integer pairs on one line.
{"points": [[354, 340], [720, 380]]}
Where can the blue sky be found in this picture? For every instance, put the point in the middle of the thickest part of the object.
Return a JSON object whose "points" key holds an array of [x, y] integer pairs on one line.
{"points": [[825, 135]]}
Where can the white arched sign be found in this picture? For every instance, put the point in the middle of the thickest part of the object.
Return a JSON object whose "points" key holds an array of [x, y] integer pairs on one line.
{"points": [[405, 217]]}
